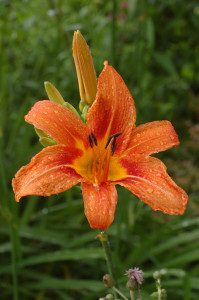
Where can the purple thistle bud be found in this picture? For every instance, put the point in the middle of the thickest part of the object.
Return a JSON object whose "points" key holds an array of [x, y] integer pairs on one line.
{"points": [[135, 276]]}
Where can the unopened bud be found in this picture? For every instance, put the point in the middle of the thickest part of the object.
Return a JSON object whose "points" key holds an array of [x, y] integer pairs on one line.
{"points": [[53, 94], [44, 139], [164, 294], [69, 106], [108, 281], [109, 297], [156, 275], [85, 69]]}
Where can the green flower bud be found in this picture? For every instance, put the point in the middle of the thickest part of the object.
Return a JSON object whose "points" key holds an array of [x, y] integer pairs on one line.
{"points": [[108, 281]]}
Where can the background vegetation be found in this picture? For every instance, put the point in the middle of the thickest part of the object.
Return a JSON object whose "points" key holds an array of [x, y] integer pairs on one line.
{"points": [[47, 250]]}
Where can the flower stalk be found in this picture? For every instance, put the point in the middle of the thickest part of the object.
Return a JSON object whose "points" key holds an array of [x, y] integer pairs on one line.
{"points": [[103, 237], [161, 294], [120, 293]]}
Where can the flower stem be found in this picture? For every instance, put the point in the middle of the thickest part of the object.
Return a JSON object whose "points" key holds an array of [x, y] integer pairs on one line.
{"points": [[14, 263], [120, 294], [103, 237], [159, 289], [132, 295]]}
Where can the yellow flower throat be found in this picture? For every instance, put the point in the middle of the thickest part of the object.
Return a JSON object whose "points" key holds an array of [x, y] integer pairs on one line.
{"points": [[98, 163]]}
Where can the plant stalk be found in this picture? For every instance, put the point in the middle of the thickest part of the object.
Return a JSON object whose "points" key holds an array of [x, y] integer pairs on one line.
{"points": [[132, 295], [103, 237], [14, 262], [120, 293]]}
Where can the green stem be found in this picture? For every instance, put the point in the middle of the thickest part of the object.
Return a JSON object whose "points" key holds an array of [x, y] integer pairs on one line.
{"points": [[120, 293], [103, 237], [14, 262], [132, 295], [159, 289]]}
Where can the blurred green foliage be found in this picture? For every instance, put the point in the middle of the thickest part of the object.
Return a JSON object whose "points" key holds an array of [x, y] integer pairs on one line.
{"points": [[47, 249]]}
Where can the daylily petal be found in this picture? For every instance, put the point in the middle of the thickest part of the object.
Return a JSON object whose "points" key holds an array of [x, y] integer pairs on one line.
{"points": [[113, 110], [47, 173], [99, 204], [59, 122], [147, 178], [152, 137]]}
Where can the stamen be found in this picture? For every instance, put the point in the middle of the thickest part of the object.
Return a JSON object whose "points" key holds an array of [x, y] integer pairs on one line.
{"points": [[90, 141], [108, 141], [113, 136], [94, 138], [113, 146]]}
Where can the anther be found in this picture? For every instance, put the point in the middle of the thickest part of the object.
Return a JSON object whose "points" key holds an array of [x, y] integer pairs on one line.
{"points": [[113, 136], [94, 138], [90, 141], [113, 146]]}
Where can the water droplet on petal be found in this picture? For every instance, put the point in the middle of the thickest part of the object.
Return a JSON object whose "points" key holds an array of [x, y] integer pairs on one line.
{"points": [[150, 190]]}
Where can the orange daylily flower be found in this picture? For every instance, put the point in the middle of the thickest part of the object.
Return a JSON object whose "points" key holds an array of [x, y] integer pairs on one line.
{"points": [[108, 150]]}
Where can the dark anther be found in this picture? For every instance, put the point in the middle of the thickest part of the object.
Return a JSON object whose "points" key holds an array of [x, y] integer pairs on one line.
{"points": [[113, 136], [113, 146], [90, 141], [94, 138]]}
